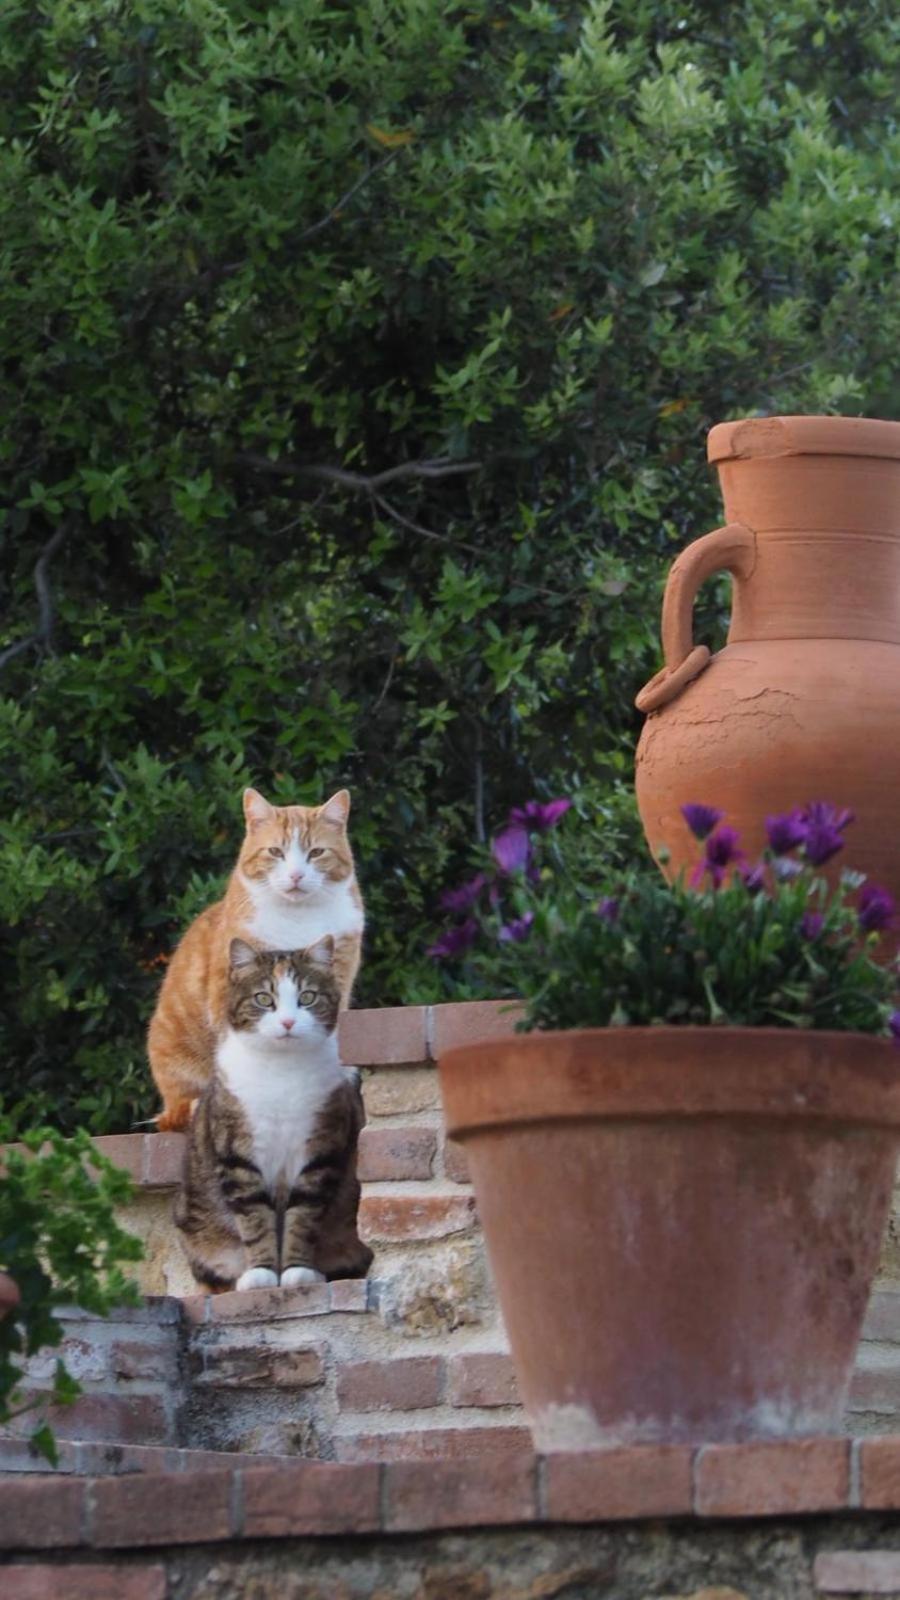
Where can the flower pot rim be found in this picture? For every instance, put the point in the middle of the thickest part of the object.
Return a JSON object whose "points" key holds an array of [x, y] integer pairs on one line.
{"points": [[671, 1072], [751, 438]]}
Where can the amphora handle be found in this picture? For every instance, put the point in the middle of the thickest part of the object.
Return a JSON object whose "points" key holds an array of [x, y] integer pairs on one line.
{"points": [[729, 549]]}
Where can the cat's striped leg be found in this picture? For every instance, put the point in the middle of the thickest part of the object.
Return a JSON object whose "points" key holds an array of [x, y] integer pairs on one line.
{"points": [[253, 1209], [307, 1204]]}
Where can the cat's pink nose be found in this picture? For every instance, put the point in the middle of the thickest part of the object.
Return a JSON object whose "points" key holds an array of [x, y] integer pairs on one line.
{"points": [[287, 1023], [296, 877]]}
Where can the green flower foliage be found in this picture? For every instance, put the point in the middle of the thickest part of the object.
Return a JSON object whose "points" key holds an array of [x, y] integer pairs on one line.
{"points": [[61, 1244], [357, 366]]}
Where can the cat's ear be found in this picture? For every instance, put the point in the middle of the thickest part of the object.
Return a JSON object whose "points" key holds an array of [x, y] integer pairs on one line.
{"points": [[241, 954], [256, 809], [337, 809], [320, 954]]}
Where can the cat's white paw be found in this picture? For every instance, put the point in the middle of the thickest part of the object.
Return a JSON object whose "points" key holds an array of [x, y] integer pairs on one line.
{"points": [[258, 1278], [294, 1275]]}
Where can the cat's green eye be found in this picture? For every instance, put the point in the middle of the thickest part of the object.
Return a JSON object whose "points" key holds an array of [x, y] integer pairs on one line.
{"points": [[307, 997], [318, 851], [274, 851], [265, 1000]]}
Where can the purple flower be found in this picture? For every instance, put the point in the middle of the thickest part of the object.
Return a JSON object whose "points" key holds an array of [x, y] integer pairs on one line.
{"points": [[821, 813], [786, 832], [811, 924], [701, 819], [517, 930], [821, 843], [823, 824], [722, 851], [894, 1026], [876, 909], [453, 941], [754, 878], [608, 909], [511, 848], [462, 899], [538, 816]]}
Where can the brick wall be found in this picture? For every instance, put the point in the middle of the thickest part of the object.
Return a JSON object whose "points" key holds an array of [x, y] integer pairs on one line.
{"points": [[725, 1522], [412, 1364]]}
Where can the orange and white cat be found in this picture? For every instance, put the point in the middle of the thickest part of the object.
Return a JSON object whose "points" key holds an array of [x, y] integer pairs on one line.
{"points": [[294, 883]]}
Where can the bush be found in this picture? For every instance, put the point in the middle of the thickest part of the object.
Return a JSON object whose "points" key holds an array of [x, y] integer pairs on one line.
{"points": [[358, 362], [61, 1244]]}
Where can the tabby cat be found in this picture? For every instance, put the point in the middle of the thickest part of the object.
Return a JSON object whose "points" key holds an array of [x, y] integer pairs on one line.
{"points": [[293, 883], [270, 1192]]}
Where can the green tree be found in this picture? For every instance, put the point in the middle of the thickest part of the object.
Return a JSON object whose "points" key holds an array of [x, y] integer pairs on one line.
{"points": [[357, 365]]}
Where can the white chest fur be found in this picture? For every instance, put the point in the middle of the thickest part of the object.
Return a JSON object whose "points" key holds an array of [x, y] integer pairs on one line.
{"points": [[279, 926], [281, 1098]]}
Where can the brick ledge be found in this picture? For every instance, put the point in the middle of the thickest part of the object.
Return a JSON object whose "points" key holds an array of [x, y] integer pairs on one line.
{"points": [[765, 1478]]}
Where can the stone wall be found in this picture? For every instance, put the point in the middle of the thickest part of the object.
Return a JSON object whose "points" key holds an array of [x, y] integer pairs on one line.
{"points": [[728, 1522]]}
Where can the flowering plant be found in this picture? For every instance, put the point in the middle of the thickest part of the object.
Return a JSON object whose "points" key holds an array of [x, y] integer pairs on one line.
{"points": [[762, 943]]}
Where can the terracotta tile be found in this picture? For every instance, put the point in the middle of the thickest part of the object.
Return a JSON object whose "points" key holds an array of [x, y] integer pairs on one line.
{"points": [[482, 1378], [402, 1383], [879, 1473], [257, 1365], [618, 1484], [41, 1513], [310, 1497], [349, 1294], [269, 1305], [394, 1217], [163, 1160], [84, 1582], [391, 1155], [857, 1572], [772, 1478], [458, 1494], [124, 1150], [162, 1508], [471, 1021], [385, 1036]]}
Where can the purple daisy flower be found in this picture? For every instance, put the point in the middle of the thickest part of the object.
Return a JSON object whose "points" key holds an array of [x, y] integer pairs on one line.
{"points": [[875, 909], [785, 833], [539, 816], [821, 813], [821, 843], [754, 878], [722, 851], [701, 819], [453, 941], [608, 909], [462, 899], [517, 930], [811, 924], [511, 848]]}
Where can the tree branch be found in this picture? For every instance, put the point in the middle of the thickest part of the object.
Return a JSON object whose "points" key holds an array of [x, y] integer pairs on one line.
{"points": [[360, 482], [337, 208], [44, 632], [426, 533]]}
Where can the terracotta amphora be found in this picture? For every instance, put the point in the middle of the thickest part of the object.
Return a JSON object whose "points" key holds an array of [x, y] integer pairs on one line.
{"points": [[683, 1224], [803, 703]]}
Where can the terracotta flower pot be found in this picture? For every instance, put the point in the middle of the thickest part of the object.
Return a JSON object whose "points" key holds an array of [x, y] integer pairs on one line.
{"points": [[803, 703], [683, 1223]]}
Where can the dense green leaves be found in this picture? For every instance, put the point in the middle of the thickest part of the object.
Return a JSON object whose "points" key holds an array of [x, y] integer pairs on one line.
{"points": [[61, 1244], [357, 365]]}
